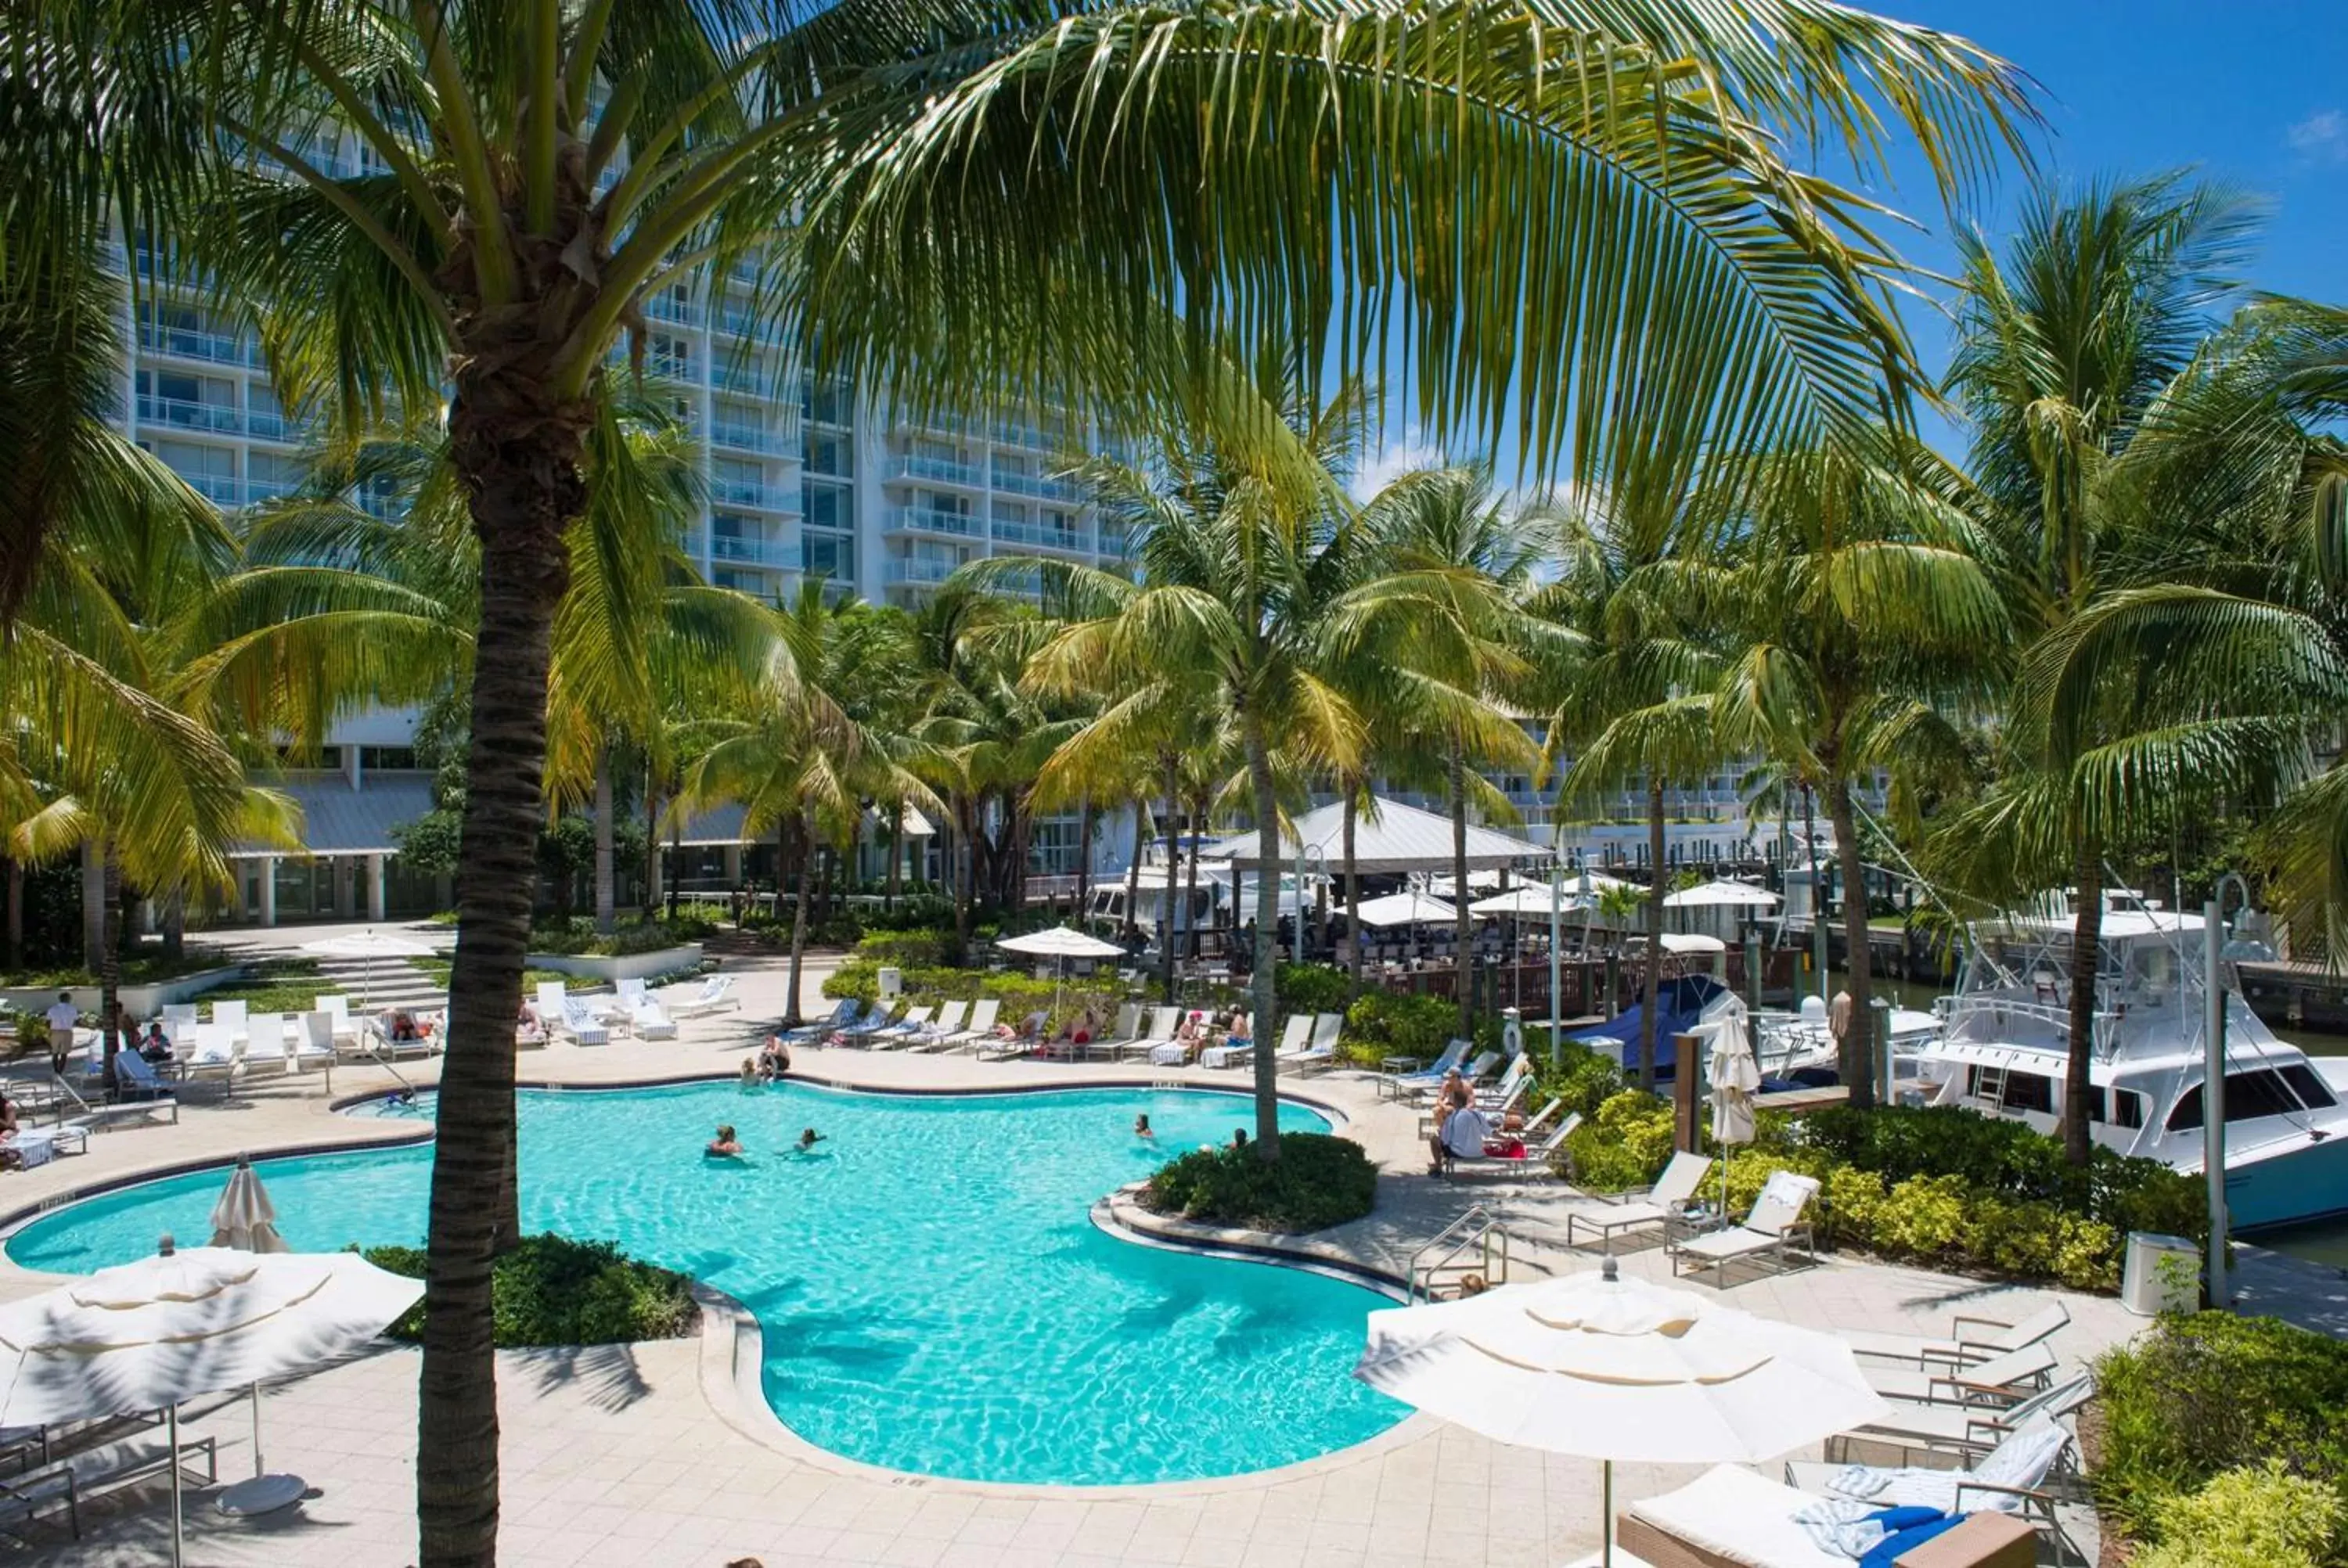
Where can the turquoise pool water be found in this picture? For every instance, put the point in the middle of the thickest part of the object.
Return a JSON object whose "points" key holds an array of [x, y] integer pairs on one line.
{"points": [[934, 1297]]}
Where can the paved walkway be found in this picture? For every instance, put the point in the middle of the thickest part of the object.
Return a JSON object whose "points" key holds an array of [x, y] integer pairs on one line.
{"points": [[642, 1454]]}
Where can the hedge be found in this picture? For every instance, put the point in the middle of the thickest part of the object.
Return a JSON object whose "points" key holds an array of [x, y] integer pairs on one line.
{"points": [[1319, 1180], [551, 1290]]}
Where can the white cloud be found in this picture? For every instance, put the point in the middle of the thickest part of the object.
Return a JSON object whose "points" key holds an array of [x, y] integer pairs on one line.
{"points": [[1391, 460], [2321, 138]]}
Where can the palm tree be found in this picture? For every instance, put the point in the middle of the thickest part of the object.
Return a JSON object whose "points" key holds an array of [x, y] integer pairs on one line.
{"points": [[1457, 567], [2072, 347], [1035, 179], [1857, 615]]}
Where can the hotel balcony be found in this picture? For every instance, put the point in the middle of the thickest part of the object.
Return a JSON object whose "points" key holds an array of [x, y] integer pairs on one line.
{"points": [[932, 520], [187, 343], [744, 549], [1027, 536], [185, 415], [760, 497], [908, 467], [918, 570], [1036, 485], [772, 443]]}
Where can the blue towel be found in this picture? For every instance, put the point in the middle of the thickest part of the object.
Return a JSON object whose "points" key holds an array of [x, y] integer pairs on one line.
{"points": [[1885, 1552]]}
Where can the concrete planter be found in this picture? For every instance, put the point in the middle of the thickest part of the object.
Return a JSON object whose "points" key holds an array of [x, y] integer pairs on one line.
{"points": [[628, 967], [144, 1001]]}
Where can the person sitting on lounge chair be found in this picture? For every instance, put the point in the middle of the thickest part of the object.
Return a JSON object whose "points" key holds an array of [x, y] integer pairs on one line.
{"points": [[401, 1025], [157, 1046], [725, 1146], [1242, 1032], [1460, 1135], [529, 1027], [1083, 1029]]}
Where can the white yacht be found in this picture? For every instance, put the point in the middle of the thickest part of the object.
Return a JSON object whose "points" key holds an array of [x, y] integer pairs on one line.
{"points": [[2005, 1038]]}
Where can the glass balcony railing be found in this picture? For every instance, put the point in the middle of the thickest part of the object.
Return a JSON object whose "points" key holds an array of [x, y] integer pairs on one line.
{"points": [[1030, 537], [191, 343], [744, 493], [271, 424], [667, 307], [221, 489], [918, 569], [935, 520], [1115, 541], [755, 551], [934, 470], [767, 439], [185, 413], [733, 375], [1050, 489]]}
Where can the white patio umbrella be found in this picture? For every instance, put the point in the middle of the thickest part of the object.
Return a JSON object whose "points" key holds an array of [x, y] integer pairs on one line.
{"points": [[1526, 899], [371, 947], [1060, 943], [153, 1334], [1736, 1077], [1609, 1369], [1720, 892], [1405, 909], [244, 1218]]}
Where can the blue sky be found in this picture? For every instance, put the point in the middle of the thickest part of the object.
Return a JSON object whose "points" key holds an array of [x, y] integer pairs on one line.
{"points": [[2250, 92]]}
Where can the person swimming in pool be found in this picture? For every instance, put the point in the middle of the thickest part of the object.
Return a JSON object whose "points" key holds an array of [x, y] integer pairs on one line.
{"points": [[810, 1139], [1141, 1128], [751, 1077], [725, 1146]]}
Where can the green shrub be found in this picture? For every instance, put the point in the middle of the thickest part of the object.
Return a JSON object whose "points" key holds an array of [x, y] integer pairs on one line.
{"points": [[1584, 1079], [2259, 1516], [1318, 1181], [1314, 987], [551, 1290], [577, 937], [1625, 1145], [1384, 1023], [2206, 1393]]}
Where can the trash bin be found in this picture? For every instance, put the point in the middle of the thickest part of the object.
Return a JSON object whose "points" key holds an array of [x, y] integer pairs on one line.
{"points": [[2151, 1282], [892, 982]]}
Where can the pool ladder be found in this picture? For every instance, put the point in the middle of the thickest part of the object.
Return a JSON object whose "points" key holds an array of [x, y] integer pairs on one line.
{"points": [[1472, 1244]]}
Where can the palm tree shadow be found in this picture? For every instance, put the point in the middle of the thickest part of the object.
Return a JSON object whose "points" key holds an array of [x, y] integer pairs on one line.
{"points": [[607, 1375]]}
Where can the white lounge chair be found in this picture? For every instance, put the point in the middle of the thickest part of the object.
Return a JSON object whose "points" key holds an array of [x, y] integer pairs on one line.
{"points": [[552, 995], [1502, 1097], [1320, 1051], [313, 1042], [650, 1020], [135, 1075], [1967, 1430], [1475, 1072], [265, 1033], [1173, 1051], [1427, 1080], [1729, 1517], [2001, 1379], [1666, 1205], [178, 1017], [2012, 1478], [1970, 1338], [1780, 1215], [214, 1054], [979, 1029], [906, 1029], [1118, 1035], [230, 1015], [1534, 1164], [1163, 1023], [842, 1014], [1235, 1055], [337, 1008], [580, 1022], [716, 995], [876, 1018]]}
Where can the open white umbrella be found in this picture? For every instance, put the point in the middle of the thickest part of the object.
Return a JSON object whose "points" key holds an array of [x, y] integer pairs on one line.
{"points": [[1526, 899], [1720, 893], [1735, 1078], [1609, 1369], [153, 1334], [1405, 909], [371, 947], [1060, 943]]}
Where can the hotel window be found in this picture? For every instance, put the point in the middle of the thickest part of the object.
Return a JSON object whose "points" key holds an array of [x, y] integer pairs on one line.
{"points": [[828, 506], [830, 455], [670, 356], [828, 555], [825, 403]]}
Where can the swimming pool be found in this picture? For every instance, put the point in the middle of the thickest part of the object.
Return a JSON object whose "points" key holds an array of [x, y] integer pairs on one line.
{"points": [[933, 1294]]}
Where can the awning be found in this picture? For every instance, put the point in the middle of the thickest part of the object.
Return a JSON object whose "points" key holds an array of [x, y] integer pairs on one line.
{"points": [[1388, 837], [336, 819]]}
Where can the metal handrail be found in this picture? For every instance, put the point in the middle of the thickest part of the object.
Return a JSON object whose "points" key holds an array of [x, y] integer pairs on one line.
{"points": [[1479, 1228]]}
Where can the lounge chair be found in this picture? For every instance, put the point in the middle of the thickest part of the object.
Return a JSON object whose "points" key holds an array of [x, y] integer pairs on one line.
{"points": [[1666, 1205], [1731, 1518], [716, 995], [1968, 1431], [1173, 1051], [135, 1078], [1120, 1033], [1475, 1071], [1021, 1040], [552, 995], [1969, 1338], [1228, 1054], [338, 1007], [890, 1036], [312, 1044], [1534, 1164], [1779, 1216], [1501, 1098], [211, 1053], [650, 1019], [580, 1022], [2012, 1478], [1320, 1051], [2001, 1381], [1163, 1023], [232, 1015], [980, 1028], [1427, 1080], [940, 1028], [177, 1016], [876, 1017], [842, 1014]]}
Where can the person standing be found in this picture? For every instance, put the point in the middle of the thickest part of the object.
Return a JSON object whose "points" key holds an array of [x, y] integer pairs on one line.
{"points": [[62, 1016]]}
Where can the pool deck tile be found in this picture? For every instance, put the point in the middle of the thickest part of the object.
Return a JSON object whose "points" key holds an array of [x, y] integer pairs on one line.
{"points": [[618, 1456]]}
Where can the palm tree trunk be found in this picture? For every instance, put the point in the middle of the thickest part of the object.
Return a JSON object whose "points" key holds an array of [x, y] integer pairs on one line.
{"points": [[606, 877], [1173, 859], [798, 935], [1084, 858], [896, 854], [93, 905], [1191, 886], [521, 461], [1657, 891], [175, 924], [1133, 875], [1352, 881], [652, 845], [965, 875], [1461, 930], [2087, 943], [14, 950], [1855, 1058], [110, 962], [1266, 979]]}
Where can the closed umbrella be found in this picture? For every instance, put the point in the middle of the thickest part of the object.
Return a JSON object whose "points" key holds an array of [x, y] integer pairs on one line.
{"points": [[153, 1334], [1608, 1369], [244, 1218], [1735, 1078]]}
